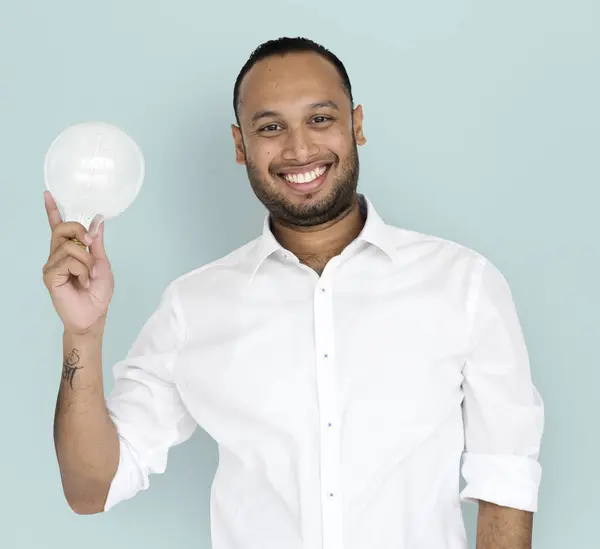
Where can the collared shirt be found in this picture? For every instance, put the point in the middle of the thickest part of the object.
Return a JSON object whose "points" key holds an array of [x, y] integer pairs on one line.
{"points": [[344, 405]]}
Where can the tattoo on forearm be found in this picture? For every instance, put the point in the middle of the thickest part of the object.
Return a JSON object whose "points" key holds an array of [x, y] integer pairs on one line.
{"points": [[70, 367]]}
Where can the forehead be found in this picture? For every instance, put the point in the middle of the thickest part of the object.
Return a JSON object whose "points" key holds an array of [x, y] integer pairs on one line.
{"points": [[290, 79]]}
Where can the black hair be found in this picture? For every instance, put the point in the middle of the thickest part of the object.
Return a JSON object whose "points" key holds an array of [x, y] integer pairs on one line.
{"points": [[282, 46]]}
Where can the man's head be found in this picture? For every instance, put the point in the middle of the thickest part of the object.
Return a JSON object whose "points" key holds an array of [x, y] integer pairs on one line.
{"points": [[296, 122]]}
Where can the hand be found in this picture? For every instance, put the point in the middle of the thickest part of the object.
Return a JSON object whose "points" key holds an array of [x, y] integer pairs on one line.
{"points": [[81, 283]]}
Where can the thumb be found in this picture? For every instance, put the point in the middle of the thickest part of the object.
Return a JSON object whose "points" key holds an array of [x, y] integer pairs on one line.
{"points": [[97, 249]]}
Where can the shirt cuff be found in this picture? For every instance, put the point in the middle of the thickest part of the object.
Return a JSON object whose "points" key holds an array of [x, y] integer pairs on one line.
{"points": [[506, 480], [128, 480]]}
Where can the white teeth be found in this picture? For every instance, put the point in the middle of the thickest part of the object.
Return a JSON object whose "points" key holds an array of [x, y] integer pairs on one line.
{"points": [[307, 177]]}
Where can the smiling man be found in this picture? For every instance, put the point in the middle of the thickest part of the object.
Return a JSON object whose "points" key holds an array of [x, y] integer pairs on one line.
{"points": [[349, 370], [297, 135]]}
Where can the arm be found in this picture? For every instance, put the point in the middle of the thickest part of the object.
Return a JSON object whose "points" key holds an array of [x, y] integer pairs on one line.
{"points": [[503, 418], [145, 403], [85, 438], [503, 527], [108, 447]]}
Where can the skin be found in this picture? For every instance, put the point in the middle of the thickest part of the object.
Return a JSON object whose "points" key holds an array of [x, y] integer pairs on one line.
{"points": [[307, 118], [503, 527], [294, 112]]}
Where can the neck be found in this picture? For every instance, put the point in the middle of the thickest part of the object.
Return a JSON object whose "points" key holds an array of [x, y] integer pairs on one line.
{"points": [[315, 246]]}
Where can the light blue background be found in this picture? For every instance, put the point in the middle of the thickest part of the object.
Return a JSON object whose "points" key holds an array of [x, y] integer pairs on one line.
{"points": [[483, 123]]}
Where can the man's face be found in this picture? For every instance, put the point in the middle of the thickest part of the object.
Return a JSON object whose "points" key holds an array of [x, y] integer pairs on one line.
{"points": [[298, 138]]}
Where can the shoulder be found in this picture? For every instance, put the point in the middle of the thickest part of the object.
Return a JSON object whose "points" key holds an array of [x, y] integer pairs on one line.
{"points": [[427, 255], [428, 245], [229, 269]]}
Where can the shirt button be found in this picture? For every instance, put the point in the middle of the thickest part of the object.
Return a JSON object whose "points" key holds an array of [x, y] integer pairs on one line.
{"points": [[330, 494], [329, 425], [325, 355]]}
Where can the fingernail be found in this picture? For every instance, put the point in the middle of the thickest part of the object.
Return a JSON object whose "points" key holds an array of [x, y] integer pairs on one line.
{"points": [[86, 284], [94, 271], [88, 239]]}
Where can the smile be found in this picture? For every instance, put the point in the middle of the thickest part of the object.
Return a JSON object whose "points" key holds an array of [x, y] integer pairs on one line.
{"points": [[305, 181], [305, 177]]}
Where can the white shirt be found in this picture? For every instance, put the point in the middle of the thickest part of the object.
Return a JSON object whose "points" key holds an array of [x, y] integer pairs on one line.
{"points": [[341, 404]]}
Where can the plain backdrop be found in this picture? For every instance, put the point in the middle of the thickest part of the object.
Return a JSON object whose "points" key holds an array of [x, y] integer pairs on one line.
{"points": [[483, 127]]}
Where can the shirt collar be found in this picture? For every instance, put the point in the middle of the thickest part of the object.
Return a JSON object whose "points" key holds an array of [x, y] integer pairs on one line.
{"points": [[375, 232]]}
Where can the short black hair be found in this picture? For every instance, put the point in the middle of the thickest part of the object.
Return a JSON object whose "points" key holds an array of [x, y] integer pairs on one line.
{"points": [[282, 46]]}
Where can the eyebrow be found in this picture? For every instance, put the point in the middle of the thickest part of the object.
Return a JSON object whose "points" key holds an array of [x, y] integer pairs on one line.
{"points": [[274, 114]]}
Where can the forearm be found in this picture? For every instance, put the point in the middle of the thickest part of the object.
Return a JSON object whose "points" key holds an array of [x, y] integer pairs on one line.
{"points": [[503, 528], [85, 438]]}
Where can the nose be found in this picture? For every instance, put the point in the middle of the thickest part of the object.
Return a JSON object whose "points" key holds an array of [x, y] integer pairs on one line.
{"points": [[299, 147]]}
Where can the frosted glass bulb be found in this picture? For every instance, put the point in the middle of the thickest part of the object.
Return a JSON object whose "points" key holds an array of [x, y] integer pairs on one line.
{"points": [[94, 171]]}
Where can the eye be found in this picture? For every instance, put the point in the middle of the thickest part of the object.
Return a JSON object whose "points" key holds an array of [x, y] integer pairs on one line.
{"points": [[321, 119], [269, 128]]}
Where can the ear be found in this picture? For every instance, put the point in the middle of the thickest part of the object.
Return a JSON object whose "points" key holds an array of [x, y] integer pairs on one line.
{"points": [[240, 155], [357, 117]]}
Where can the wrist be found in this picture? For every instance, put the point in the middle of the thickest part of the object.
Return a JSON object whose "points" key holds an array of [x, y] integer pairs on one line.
{"points": [[94, 332]]}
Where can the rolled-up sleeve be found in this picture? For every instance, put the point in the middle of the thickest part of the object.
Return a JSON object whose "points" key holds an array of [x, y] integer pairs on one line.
{"points": [[145, 405], [502, 410]]}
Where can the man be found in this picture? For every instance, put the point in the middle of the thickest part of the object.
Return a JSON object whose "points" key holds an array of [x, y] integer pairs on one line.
{"points": [[344, 366]]}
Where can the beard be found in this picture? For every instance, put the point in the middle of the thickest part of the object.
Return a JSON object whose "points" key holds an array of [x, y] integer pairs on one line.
{"points": [[337, 203]]}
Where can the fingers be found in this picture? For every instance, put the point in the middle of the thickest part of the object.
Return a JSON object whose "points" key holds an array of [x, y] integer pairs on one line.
{"points": [[95, 224], [97, 249], [62, 231], [54, 217], [70, 249], [66, 231], [60, 273]]}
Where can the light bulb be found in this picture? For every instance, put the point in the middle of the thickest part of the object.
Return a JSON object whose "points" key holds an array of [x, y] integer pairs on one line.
{"points": [[94, 171]]}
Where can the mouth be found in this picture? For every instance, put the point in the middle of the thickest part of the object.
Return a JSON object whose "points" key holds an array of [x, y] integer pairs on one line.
{"points": [[303, 181]]}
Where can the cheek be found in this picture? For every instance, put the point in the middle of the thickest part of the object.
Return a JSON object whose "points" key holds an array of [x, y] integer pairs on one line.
{"points": [[340, 137], [263, 156], [340, 143]]}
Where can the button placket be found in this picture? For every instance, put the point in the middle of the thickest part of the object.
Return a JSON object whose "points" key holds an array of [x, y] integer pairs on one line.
{"points": [[328, 409]]}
